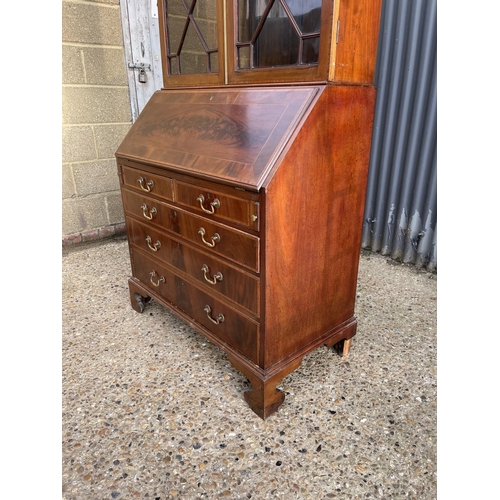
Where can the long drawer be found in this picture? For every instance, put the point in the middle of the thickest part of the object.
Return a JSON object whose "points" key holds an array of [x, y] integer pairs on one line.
{"points": [[211, 272], [227, 324], [235, 245]]}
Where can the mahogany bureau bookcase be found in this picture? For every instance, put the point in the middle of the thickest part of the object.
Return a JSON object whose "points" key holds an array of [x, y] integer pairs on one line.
{"points": [[243, 179]]}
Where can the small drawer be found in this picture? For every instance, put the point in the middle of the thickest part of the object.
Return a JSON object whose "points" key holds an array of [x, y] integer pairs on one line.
{"points": [[223, 321], [145, 182], [218, 205], [210, 272], [228, 242]]}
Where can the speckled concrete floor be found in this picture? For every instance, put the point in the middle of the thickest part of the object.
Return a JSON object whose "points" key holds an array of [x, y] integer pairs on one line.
{"points": [[153, 410]]}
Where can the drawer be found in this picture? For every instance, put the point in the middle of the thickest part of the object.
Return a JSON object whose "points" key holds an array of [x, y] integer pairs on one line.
{"points": [[141, 181], [226, 323], [218, 205], [235, 245], [213, 273]]}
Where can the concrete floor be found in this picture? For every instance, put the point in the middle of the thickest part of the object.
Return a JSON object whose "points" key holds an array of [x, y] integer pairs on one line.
{"points": [[153, 410]]}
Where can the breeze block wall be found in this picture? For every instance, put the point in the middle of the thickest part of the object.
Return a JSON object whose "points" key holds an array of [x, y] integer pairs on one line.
{"points": [[96, 117]]}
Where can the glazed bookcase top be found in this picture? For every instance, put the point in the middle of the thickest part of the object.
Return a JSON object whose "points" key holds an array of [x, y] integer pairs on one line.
{"points": [[242, 42]]}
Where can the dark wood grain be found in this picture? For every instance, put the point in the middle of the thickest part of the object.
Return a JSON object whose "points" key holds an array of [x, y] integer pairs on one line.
{"points": [[264, 398], [150, 168], [311, 247], [310, 209], [357, 41], [236, 284], [224, 135], [160, 186], [232, 208], [239, 331], [280, 156], [235, 245]]}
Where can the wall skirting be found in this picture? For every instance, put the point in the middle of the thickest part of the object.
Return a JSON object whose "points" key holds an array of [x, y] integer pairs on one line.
{"points": [[95, 234]]}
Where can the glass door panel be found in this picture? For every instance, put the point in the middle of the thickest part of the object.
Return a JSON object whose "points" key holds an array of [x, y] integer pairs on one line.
{"points": [[192, 40], [274, 33]]}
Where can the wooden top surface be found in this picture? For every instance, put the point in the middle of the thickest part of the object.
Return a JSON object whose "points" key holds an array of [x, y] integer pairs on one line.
{"points": [[229, 135]]}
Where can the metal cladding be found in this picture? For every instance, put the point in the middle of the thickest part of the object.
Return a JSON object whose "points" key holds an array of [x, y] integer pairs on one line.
{"points": [[400, 218]]}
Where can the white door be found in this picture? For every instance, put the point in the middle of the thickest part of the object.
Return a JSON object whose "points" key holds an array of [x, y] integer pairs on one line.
{"points": [[141, 38]]}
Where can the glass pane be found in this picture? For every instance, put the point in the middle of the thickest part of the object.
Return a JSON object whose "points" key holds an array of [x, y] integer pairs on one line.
{"points": [[193, 57], [214, 62], [174, 69], [275, 37], [278, 43], [244, 57], [175, 25], [310, 51], [206, 20], [246, 20], [176, 7], [307, 14], [190, 37]]}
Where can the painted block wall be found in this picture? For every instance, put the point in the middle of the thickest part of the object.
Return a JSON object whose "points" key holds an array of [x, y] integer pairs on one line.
{"points": [[96, 116]]}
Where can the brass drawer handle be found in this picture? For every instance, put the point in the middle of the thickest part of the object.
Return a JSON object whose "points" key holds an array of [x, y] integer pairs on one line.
{"points": [[149, 185], [215, 238], [161, 279], [155, 247], [217, 276], [220, 317], [214, 204], [152, 212]]}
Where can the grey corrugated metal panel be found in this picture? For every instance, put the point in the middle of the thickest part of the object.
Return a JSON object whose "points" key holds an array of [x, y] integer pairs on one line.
{"points": [[420, 237], [383, 126], [423, 203], [396, 145], [400, 211]]}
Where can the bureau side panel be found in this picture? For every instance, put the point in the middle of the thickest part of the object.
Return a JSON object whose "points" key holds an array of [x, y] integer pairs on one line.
{"points": [[313, 220]]}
